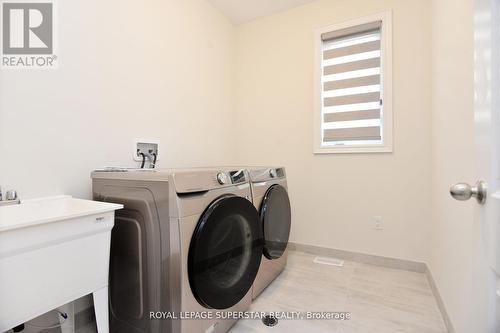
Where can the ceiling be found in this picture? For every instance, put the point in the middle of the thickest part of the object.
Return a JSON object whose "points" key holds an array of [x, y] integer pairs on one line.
{"points": [[241, 11]]}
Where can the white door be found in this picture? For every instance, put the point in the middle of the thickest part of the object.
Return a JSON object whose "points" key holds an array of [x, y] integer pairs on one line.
{"points": [[487, 132], [487, 119], [487, 127]]}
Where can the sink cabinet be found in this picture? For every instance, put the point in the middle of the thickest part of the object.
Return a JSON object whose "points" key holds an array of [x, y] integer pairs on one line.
{"points": [[54, 251]]}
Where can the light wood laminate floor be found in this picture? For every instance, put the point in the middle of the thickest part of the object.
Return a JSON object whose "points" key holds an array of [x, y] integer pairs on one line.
{"points": [[380, 299]]}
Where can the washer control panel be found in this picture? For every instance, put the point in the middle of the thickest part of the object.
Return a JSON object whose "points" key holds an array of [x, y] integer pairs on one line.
{"points": [[222, 178], [202, 180], [238, 176], [231, 177]]}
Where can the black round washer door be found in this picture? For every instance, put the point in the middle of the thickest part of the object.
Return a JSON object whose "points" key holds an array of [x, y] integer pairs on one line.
{"points": [[275, 216], [225, 252]]}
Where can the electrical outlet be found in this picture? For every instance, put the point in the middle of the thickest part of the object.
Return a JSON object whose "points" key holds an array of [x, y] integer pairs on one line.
{"points": [[377, 223], [146, 146]]}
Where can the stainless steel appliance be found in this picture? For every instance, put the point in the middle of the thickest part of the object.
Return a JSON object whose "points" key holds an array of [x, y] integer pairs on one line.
{"points": [[270, 197], [187, 241]]}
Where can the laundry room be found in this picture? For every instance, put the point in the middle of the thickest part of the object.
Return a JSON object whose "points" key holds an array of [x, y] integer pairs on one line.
{"points": [[213, 166]]}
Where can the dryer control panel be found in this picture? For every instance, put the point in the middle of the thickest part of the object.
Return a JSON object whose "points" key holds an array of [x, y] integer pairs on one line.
{"points": [[280, 172], [265, 174]]}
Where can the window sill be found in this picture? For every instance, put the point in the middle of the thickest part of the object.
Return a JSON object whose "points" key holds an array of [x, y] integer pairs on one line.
{"points": [[353, 150]]}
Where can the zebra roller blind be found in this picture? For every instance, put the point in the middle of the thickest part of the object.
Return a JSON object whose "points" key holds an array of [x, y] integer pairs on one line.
{"points": [[351, 86]]}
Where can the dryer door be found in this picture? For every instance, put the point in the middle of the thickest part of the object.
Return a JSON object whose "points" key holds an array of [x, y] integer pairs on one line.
{"points": [[225, 252], [275, 216]]}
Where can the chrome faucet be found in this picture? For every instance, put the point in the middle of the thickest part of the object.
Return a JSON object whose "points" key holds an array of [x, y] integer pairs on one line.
{"points": [[10, 198], [11, 195], [151, 156]]}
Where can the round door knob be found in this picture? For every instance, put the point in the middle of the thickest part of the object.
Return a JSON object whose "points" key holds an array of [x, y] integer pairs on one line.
{"points": [[222, 178], [463, 191]]}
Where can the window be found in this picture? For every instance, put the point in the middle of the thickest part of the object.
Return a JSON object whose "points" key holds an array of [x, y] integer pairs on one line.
{"points": [[353, 90]]}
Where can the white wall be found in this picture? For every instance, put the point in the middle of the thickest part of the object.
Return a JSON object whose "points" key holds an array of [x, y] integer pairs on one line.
{"points": [[457, 260], [334, 196], [127, 69]]}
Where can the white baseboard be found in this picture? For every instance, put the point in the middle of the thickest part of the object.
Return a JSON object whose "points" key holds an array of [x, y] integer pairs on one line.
{"points": [[371, 259], [439, 300]]}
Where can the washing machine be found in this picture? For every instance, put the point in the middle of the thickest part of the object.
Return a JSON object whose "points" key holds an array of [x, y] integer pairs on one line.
{"points": [[270, 197], [185, 250]]}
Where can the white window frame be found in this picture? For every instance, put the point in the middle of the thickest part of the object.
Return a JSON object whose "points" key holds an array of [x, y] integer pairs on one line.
{"points": [[386, 84]]}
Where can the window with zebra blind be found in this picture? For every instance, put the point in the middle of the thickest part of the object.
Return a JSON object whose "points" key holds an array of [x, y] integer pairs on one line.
{"points": [[353, 90]]}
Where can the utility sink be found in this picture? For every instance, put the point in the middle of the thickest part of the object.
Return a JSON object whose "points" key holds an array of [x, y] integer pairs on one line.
{"points": [[53, 251]]}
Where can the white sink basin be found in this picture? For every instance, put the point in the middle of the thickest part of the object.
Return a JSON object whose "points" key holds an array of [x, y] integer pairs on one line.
{"points": [[53, 251], [47, 210]]}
